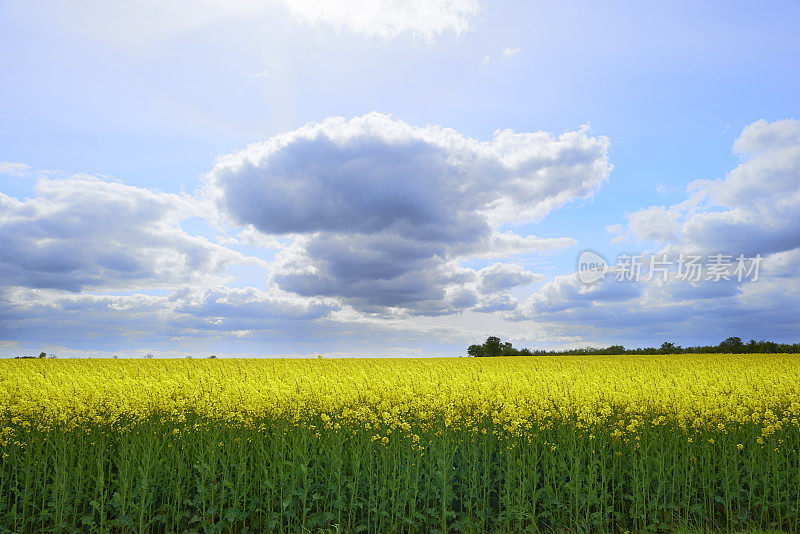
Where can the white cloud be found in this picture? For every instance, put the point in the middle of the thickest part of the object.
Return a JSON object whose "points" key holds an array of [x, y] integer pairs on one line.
{"points": [[666, 189], [502, 276], [14, 169], [144, 22], [381, 212], [389, 18], [754, 209], [508, 52], [247, 309], [507, 244], [655, 223], [262, 75], [192, 316]]}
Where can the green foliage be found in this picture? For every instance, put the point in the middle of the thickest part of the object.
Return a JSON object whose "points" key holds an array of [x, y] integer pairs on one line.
{"points": [[475, 350], [732, 345], [212, 476], [493, 346]]}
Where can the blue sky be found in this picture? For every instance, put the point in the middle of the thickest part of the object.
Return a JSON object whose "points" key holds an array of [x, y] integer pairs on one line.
{"points": [[269, 178]]}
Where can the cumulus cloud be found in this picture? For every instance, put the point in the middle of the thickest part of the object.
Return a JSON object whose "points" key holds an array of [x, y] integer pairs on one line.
{"points": [[754, 209], [381, 212], [567, 293], [502, 276], [363, 218], [81, 232], [656, 223], [14, 169]]}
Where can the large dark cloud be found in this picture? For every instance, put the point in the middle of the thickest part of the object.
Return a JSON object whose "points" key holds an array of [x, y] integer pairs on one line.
{"points": [[371, 272], [381, 212]]}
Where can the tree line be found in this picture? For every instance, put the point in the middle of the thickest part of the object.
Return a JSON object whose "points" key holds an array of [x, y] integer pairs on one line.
{"points": [[493, 346]]}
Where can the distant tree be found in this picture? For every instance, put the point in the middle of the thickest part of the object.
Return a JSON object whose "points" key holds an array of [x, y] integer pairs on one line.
{"points": [[492, 346], [732, 345], [43, 355], [148, 356], [475, 350], [212, 357]]}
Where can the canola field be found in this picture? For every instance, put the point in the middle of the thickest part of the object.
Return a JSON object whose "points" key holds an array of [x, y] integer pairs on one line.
{"points": [[519, 444]]}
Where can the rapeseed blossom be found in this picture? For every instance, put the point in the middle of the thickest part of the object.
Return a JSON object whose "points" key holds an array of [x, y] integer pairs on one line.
{"points": [[517, 394]]}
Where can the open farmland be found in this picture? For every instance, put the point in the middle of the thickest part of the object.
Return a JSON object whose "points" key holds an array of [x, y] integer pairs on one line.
{"points": [[602, 443]]}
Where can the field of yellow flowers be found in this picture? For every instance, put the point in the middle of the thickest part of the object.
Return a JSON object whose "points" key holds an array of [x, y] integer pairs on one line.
{"points": [[587, 444]]}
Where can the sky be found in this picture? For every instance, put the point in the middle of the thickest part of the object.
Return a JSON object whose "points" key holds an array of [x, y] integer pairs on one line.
{"points": [[395, 178]]}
